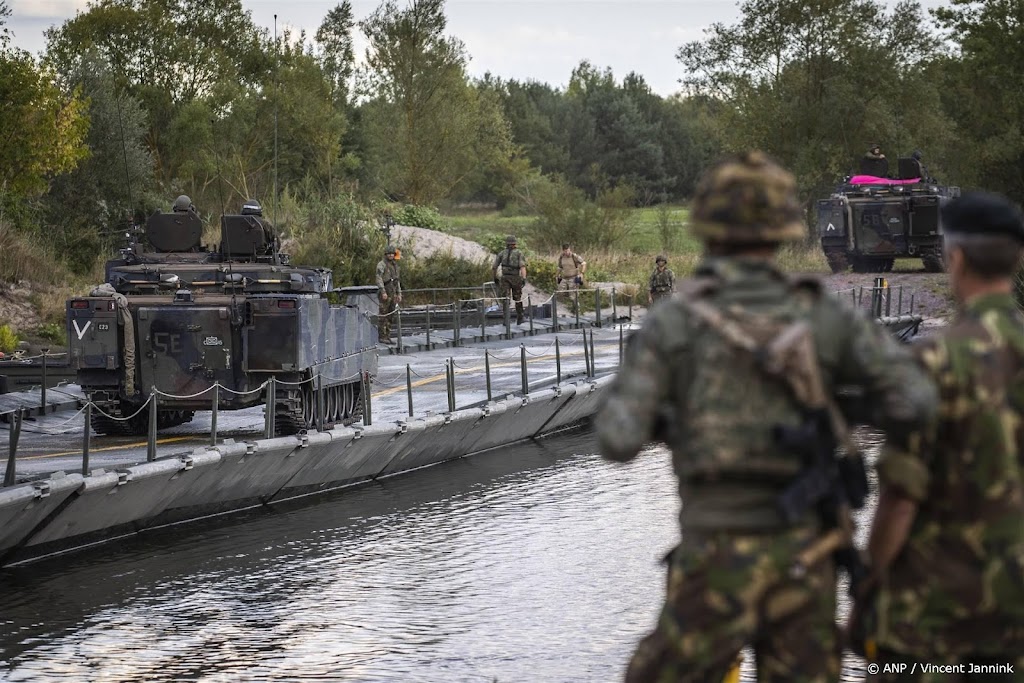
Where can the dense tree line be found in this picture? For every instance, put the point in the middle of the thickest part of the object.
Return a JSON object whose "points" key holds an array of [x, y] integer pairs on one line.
{"points": [[136, 101]]}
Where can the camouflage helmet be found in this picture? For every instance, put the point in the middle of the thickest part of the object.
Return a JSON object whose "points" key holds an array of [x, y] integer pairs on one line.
{"points": [[747, 198], [661, 259], [182, 203], [511, 239], [252, 208], [391, 250]]}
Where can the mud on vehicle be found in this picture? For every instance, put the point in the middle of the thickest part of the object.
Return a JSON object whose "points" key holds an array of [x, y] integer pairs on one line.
{"points": [[180, 318], [871, 221]]}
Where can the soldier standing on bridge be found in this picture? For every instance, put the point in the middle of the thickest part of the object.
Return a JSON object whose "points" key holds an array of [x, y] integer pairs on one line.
{"points": [[662, 281], [389, 288], [947, 544], [510, 274], [571, 268], [701, 375]]}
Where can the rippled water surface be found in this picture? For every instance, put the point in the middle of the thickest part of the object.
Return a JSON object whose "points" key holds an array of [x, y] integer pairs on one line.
{"points": [[532, 563]]}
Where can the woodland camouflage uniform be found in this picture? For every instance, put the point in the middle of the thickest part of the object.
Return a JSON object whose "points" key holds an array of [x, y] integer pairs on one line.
{"points": [[955, 592], [662, 282], [729, 581], [509, 263], [389, 281]]}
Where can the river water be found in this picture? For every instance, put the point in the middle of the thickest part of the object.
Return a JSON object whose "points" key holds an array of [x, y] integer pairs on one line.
{"points": [[537, 562]]}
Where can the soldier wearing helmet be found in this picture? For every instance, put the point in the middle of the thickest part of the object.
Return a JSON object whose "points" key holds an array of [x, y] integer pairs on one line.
{"points": [[182, 204], [389, 291], [712, 374], [510, 276], [662, 282]]}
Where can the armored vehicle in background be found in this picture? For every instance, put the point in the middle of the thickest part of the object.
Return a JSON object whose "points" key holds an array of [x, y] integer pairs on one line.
{"points": [[179, 318], [871, 220]]}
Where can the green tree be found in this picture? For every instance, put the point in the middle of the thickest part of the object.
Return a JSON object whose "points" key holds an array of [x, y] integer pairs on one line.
{"points": [[168, 53], [41, 128], [336, 51], [813, 81], [984, 92], [87, 209], [426, 130]]}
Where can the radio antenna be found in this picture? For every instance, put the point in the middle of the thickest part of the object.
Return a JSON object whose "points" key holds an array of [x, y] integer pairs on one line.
{"points": [[276, 96], [127, 172], [227, 240]]}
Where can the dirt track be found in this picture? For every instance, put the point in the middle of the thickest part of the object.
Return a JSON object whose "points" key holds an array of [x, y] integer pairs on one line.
{"points": [[930, 290]]}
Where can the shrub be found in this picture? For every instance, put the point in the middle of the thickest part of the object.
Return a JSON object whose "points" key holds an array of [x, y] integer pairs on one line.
{"points": [[8, 339], [443, 270], [53, 332], [339, 234], [419, 217], [565, 214]]}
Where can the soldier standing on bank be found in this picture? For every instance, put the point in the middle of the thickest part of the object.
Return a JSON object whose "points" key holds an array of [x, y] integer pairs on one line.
{"points": [[947, 543], [389, 287], [571, 268], [688, 380], [662, 281], [510, 274]]}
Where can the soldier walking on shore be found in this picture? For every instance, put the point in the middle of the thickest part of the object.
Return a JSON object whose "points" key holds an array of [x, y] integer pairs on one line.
{"points": [[389, 289], [662, 282], [571, 268], [947, 543], [738, 375], [510, 274]]}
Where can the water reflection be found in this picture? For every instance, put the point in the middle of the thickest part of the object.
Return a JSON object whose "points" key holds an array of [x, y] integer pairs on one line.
{"points": [[534, 563]]}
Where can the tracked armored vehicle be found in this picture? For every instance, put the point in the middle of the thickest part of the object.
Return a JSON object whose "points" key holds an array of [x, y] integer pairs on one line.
{"points": [[179, 318], [872, 220]]}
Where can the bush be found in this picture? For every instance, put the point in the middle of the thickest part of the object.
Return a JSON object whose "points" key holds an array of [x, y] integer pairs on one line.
{"points": [[541, 272], [53, 332], [339, 234], [565, 214], [8, 339], [419, 217], [443, 271]]}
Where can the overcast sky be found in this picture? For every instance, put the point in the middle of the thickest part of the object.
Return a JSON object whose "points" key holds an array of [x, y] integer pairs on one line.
{"points": [[523, 39]]}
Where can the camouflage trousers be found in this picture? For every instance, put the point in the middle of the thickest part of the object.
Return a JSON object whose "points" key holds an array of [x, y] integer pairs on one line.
{"points": [[726, 591], [386, 316], [513, 284], [900, 668]]}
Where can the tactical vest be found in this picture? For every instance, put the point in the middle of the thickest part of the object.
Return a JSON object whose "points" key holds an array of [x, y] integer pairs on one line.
{"points": [[661, 281], [390, 276], [569, 266], [511, 260], [730, 408]]}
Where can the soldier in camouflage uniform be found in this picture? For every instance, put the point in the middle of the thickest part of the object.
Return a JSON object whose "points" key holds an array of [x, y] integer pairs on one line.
{"points": [[389, 288], [510, 274], [730, 581], [662, 281], [947, 544]]}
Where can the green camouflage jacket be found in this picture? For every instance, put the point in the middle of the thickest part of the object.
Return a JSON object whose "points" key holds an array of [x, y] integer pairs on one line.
{"points": [[510, 260], [717, 410], [957, 587], [661, 281], [389, 277]]}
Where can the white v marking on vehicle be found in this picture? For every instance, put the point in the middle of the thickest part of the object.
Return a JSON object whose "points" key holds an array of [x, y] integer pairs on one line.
{"points": [[81, 332]]}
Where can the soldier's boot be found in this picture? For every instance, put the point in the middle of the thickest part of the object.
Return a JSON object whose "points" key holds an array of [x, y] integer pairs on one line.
{"points": [[519, 313]]}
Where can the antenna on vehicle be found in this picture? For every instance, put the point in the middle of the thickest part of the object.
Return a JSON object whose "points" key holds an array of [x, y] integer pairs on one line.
{"points": [[227, 240], [276, 96], [127, 172]]}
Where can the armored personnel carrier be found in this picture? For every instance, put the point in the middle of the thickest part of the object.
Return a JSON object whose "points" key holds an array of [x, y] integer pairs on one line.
{"points": [[178, 317], [872, 220]]}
